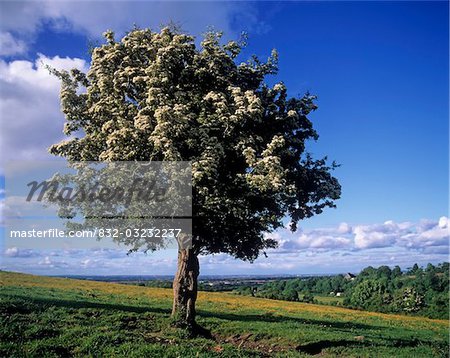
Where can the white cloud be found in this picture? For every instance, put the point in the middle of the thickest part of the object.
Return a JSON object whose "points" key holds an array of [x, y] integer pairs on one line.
{"points": [[426, 234], [413, 236], [314, 251], [17, 252], [29, 107], [95, 17], [3, 209], [21, 16], [92, 264], [444, 223], [12, 251], [316, 241], [10, 46], [50, 263], [46, 261], [344, 228], [92, 18], [375, 236], [31, 120], [327, 250]]}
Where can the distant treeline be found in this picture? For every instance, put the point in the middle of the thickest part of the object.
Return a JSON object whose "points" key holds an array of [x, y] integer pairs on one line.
{"points": [[217, 287], [420, 291]]}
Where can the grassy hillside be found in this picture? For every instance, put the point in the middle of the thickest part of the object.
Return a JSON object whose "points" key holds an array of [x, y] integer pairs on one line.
{"points": [[50, 317]]}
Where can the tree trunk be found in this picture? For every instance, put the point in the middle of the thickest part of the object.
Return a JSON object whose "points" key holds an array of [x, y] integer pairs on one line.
{"points": [[185, 288]]}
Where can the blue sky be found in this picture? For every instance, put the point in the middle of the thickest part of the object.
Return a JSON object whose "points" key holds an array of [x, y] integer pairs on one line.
{"points": [[380, 70]]}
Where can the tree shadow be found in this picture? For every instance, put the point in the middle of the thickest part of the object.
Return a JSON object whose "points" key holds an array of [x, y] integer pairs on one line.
{"points": [[46, 302], [42, 303], [377, 339], [317, 347], [86, 303], [200, 331], [311, 348], [314, 348], [344, 326]]}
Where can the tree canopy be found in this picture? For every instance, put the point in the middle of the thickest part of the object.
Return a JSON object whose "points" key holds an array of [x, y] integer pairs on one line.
{"points": [[156, 96]]}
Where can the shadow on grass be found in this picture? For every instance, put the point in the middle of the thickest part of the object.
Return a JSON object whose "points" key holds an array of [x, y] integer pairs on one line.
{"points": [[40, 304], [317, 347], [25, 304], [45, 302], [374, 340], [283, 319]]}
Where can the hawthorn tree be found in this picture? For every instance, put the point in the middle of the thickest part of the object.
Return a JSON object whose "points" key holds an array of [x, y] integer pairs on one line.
{"points": [[157, 96]]}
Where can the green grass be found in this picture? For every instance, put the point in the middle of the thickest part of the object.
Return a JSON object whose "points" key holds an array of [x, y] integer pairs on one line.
{"points": [[326, 300], [52, 317]]}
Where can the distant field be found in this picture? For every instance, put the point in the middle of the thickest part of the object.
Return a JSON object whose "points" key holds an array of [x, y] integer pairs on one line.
{"points": [[56, 317], [328, 299]]}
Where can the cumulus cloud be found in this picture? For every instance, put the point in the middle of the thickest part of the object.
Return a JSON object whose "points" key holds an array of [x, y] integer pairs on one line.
{"points": [[51, 263], [415, 236], [371, 236], [327, 250], [29, 106], [11, 46], [314, 241], [16, 252], [92, 18], [425, 234], [443, 222], [345, 247], [344, 228], [89, 261]]}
